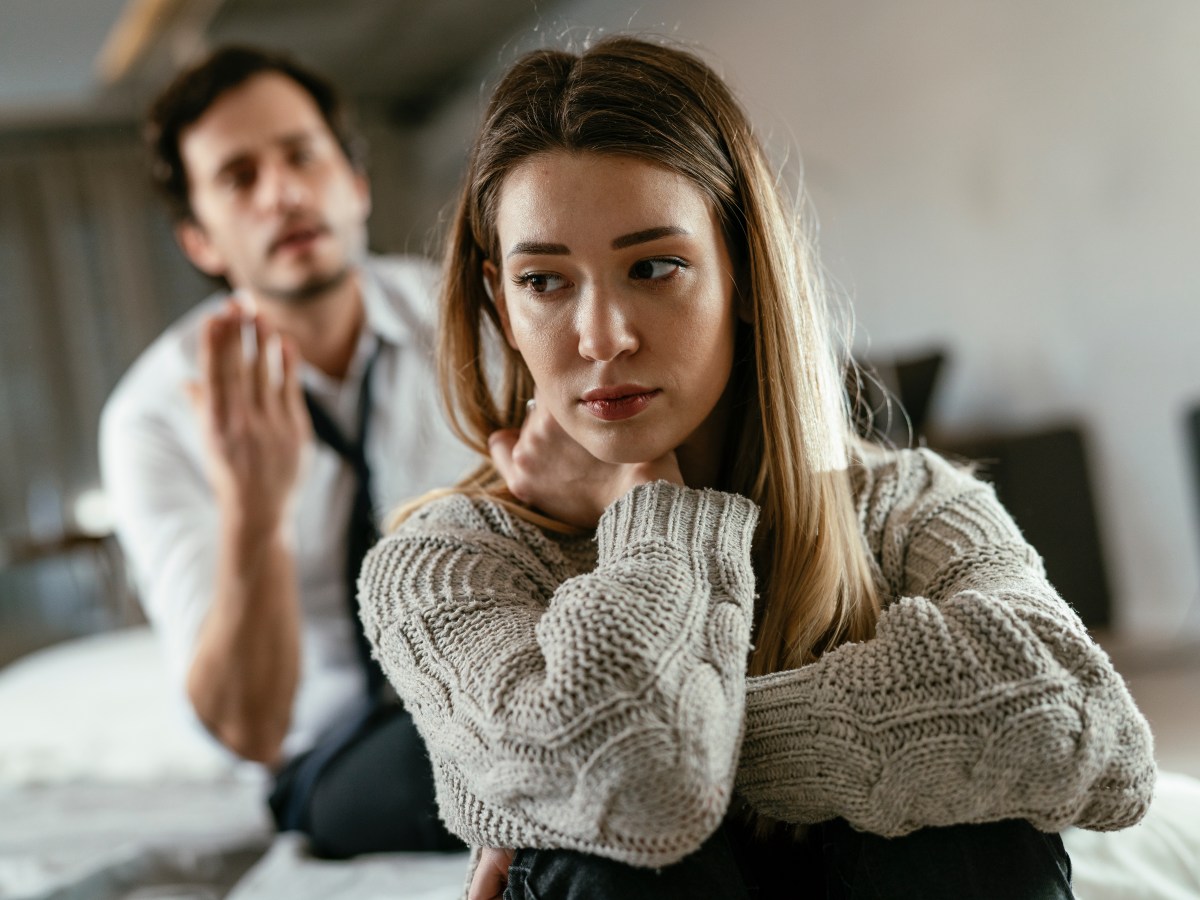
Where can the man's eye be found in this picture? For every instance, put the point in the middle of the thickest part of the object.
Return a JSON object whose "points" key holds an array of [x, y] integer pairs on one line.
{"points": [[540, 282], [655, 269], [238, 179]]}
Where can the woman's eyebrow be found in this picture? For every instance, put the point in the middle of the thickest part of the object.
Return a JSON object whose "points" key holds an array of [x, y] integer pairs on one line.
{"points": [[647, 234], [533, 248], [537, 248]]}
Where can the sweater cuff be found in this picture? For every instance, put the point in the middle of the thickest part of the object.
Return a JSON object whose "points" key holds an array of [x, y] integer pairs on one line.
{"points": [[706, 522]]}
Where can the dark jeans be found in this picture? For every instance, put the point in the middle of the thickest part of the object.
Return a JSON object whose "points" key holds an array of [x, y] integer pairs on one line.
{"points": [[367, 787], [1008, 860]]}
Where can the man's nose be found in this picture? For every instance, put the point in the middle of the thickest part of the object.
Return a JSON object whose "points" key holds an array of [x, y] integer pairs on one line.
{"points": [[606, 327], [281, 187]]}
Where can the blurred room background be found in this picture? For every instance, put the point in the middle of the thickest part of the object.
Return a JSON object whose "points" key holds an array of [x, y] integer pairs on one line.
{"points": [[1008, 194]]}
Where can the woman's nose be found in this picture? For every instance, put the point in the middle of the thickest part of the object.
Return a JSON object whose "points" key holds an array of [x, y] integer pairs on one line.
{"points": [[606, 329]]}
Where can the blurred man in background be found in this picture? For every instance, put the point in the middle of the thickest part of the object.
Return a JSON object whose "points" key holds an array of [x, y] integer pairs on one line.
{"points": [[249, 450]]}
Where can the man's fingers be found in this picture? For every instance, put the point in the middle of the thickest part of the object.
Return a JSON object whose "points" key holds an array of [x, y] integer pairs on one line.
{"points": [[290, 388], [218, 377], [260, 367], [194, 391]]}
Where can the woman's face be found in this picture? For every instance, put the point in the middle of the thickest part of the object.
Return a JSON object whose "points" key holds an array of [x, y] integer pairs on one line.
{"points": [[615, 285]]}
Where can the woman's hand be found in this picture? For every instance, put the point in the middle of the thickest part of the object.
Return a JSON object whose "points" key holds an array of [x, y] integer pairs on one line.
{"points": [[491, 875], [546, 468]]}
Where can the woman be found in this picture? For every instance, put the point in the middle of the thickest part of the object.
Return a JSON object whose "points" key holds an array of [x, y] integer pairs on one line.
{"points": [[672, 488]]}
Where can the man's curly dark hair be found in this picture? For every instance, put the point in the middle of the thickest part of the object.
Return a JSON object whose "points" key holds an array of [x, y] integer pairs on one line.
{"points": [[195, 89]]}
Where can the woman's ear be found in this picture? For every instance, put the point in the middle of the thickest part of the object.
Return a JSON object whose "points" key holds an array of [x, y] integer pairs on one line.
{"points": [[495, 291], [743, 304]]}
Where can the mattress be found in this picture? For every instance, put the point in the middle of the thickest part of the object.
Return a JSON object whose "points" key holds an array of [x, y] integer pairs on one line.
{"points": [[108, 791]]}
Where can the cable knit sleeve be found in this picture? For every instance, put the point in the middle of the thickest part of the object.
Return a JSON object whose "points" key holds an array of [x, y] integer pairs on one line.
{"points": [[980, 698], [590, 708]]}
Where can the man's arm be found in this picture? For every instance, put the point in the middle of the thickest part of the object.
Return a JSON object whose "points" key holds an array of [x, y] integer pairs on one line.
{"points": [[246, 664], [208, 549]]}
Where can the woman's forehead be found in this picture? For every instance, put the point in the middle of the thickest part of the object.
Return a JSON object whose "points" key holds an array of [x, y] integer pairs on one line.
{"points": [[608, 194]]}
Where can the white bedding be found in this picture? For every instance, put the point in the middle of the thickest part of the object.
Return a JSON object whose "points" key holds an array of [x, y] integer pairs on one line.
{"points": [[1157, 859], [288, 871], [100, 709], [106, 791], [90, 840]]}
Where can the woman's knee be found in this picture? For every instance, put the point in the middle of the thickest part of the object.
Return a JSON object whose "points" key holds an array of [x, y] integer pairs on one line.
{"points": [[711, 871], [997, 860]]}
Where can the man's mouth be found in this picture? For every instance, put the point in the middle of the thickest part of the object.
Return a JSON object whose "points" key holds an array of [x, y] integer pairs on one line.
{"points": [[297, 238]]}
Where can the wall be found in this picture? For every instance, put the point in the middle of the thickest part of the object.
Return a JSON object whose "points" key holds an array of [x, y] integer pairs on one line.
{"points": [[1017, 181]]}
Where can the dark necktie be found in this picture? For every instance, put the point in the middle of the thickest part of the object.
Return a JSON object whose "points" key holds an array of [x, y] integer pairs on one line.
{"points": [[362, 532]]}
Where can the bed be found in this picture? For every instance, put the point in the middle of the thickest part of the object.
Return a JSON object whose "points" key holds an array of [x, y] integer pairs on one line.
{"points": [[108, 792]]}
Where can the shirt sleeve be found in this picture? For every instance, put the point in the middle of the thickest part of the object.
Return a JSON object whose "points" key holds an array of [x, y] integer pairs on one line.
{"points": [[600, 712], [981, 696], [165, 519]]}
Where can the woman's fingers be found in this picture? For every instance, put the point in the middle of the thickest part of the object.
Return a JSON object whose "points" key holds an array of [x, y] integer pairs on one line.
{"points": [[491, 874], [501, 445], [526, 455], [544, 466]]}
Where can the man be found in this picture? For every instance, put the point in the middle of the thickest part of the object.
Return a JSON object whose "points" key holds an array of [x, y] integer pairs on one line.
{"points": [[247, 452]]}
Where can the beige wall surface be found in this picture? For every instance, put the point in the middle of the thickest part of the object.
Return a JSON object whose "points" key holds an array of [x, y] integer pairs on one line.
{"points": [[1017, 182]]}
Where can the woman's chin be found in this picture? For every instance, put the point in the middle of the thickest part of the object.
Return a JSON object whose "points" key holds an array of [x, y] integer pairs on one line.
{"points": [[618, 450]]}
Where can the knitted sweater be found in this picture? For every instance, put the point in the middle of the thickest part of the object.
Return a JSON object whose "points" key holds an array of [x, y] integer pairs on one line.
{"points": [[591, 693]]}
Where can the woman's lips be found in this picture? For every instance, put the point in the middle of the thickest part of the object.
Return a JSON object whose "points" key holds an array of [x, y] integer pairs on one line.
{"points": [[614, 404]]}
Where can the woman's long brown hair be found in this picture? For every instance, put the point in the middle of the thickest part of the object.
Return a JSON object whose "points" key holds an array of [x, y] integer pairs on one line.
{"points": [[793, 442]]}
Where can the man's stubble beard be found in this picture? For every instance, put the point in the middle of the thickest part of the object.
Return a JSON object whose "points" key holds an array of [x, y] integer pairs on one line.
{"points": [[313, 289]]}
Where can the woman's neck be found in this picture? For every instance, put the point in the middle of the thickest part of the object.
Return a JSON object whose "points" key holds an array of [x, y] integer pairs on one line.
{"points": [[701, 456]]}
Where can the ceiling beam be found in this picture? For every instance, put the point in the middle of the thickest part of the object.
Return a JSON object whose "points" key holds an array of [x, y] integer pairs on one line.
{"points": [[178, 25]]}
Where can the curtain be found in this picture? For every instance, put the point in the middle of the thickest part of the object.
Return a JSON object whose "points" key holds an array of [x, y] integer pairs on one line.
{"points": [[89, 275]]}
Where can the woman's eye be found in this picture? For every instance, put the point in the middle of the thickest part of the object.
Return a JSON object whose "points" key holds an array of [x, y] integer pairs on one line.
{"points": [[655, 269], [540, 282]]}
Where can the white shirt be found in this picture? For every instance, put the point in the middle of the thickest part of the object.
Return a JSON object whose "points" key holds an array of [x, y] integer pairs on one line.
{"points": [[166, 516]]}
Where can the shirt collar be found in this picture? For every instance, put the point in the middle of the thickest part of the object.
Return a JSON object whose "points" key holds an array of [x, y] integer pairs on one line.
{"points": [[364, 349], [381, 316], [381, 324]]}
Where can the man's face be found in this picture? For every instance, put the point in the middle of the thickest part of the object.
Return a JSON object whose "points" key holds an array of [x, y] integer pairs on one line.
{"points": [[277, 207]]}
